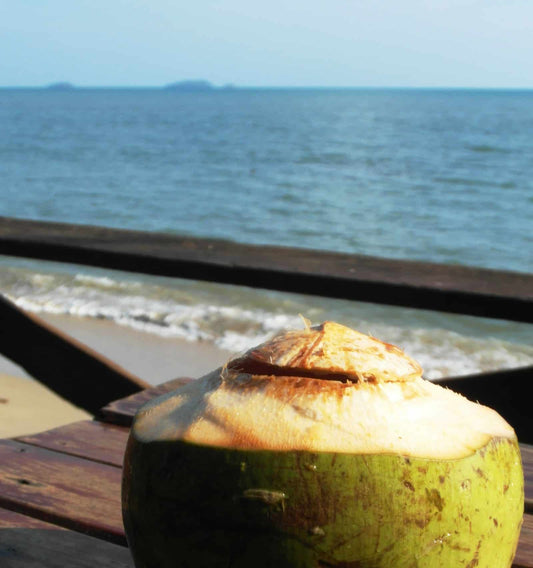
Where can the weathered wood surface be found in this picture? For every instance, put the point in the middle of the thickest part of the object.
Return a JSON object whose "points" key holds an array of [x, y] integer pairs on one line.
{"points": [[447, 288], [122, 411], [43, 548], [90, 439], [527, 462], [66, 366], [26, 542], [524, 553], [79, 494], [12, 520]]}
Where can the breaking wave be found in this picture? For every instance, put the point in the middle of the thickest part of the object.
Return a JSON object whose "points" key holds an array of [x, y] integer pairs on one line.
{"points": [[236, 318]]}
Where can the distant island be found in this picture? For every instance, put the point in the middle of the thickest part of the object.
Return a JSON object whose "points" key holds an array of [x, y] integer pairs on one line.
{"points": [[61, 86], [191, 86]]}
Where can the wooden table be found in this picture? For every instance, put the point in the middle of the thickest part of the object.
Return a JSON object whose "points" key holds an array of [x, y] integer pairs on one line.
{"points": [[60, 493]]}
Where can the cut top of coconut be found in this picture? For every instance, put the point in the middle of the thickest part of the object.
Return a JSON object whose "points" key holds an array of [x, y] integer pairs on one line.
{"points": [[329, 350], [327, 388]]}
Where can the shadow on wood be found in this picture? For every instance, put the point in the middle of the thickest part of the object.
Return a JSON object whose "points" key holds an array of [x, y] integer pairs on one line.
{"points": [[60, 548], [66, 366]]}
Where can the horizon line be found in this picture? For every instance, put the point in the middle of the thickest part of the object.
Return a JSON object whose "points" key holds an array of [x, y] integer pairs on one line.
{"points": [[67, 86]]}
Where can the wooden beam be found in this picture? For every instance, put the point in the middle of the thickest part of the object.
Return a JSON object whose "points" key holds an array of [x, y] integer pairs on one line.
{"points": [[445, 288], [66, 366]]}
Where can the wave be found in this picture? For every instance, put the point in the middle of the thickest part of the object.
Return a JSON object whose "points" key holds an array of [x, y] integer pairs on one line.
{"points": [[325, 158], [474, 182], [486, 148], [236, 319]]}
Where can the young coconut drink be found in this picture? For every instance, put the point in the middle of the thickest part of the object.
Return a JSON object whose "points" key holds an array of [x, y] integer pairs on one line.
{"points": [[320, 448]]}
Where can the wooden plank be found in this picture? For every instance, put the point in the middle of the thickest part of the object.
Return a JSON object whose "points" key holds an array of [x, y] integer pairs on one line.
{"points": [[42, 548], [89, 439], [447, 288], [68, 367], [26, 542], [11, 520], [524, 552], [71, 492], [527, 464], [122, 411]]}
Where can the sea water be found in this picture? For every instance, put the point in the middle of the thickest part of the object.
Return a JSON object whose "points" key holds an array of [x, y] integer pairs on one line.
{"points": [[437, 175]]}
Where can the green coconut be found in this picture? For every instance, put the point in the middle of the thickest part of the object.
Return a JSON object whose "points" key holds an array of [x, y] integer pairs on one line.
{"points": [[321, 448]]}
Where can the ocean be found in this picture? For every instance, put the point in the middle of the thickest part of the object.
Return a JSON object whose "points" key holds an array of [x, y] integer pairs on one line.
{"points": [[437, 175]]}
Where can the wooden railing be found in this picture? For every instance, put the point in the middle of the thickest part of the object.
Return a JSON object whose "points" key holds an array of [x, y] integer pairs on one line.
{"points": [[439, 287]]}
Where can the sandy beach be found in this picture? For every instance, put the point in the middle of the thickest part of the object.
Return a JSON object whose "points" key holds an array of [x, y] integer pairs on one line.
{"points": [[27, 406]]}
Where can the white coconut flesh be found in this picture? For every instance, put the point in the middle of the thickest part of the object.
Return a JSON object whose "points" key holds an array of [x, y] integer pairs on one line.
{"points": [[323, 389]]}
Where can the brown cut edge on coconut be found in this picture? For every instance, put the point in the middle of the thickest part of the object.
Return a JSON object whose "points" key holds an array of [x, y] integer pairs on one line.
{"points": [[328, 351]]}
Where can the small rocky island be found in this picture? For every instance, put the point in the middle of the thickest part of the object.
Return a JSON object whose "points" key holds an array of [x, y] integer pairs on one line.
{"points": [[199, 85], [60, 86]]}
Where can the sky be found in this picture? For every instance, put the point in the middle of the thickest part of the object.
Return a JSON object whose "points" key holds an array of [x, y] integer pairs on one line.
{"points": [[293, 43]]}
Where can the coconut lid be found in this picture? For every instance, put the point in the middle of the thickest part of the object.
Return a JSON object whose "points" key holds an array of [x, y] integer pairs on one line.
{"points": [[329, 351], [323, 388]]}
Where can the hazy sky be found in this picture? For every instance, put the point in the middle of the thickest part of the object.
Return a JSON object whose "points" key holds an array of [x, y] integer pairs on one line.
{"points": [[465, 43]]}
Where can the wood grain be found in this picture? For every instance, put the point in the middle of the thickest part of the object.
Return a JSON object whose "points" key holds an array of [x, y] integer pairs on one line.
{"points": [[527, 464], [79, 494], [89, 439], [12, 520], [524, 552], [36, 548], [123, 410], [26, 542]]}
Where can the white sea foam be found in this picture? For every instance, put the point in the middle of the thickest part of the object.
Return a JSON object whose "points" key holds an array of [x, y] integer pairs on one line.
{"points": [[236, 319]]}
